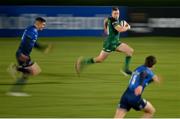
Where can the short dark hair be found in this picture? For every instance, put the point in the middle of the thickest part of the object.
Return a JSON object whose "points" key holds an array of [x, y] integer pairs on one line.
{"points": [[115, 8], [150, 61], [40, 19]]}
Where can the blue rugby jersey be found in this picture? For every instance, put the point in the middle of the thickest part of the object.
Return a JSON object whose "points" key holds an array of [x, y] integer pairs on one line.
{"points": [[28, 40], [141, 76]]}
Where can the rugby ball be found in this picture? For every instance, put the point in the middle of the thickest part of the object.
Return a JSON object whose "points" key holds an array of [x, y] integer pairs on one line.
{"points": [[123, 23]]}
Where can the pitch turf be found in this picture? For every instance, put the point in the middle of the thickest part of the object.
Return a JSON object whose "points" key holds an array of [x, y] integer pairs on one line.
{"points": [[58, 92]]}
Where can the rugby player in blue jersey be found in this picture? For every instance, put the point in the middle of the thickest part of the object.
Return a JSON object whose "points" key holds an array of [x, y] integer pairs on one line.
{"points": [[141, 77], [25, 64]]}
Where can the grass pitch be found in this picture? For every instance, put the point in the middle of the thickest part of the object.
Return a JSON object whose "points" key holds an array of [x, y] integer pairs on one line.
{"points": [[59, 92]]}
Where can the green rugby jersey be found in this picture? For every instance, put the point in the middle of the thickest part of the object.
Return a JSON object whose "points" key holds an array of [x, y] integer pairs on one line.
{"points": [[112, 41], [113, 34]]}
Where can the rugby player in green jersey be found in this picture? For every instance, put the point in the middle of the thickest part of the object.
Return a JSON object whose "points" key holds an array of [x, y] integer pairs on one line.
{"points": [[112, 28]]}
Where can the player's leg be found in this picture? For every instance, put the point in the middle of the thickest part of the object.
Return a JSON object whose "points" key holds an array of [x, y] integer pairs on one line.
{"points": [[82, 62], [12, 70], [34, 69], [123, 106], [17, 89], [120, 113], [22, 60], [149, 110], [101, 57], [129, 52], [27, 67]]}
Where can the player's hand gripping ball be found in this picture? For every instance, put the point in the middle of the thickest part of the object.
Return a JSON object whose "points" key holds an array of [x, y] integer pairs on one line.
{"points": [[125, 24]]}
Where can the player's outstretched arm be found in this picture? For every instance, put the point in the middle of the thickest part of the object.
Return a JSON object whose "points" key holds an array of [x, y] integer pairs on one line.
{"points": [[156, 79]]}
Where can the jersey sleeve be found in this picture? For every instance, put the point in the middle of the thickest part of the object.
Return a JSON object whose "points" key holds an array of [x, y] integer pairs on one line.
{"points": [[151, 74], [149, 77], [146, 77]]}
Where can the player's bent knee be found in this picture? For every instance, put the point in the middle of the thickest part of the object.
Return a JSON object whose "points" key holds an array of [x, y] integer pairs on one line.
{"points": [[151, 113], [153, 110], [34, 69], [130, 52], [120, 113], [150, 109]]}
